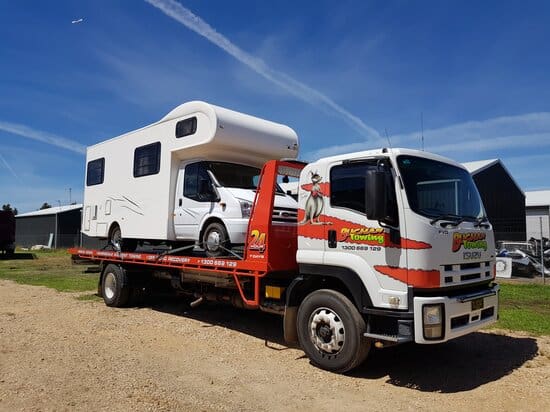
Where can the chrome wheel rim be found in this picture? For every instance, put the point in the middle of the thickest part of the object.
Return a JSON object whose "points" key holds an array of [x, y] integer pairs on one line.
{"points": [[327, 331], [109, 285], [213, 240]]}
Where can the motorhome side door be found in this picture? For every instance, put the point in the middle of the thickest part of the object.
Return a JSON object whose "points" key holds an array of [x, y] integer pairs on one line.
{"points": [[195, 198]]}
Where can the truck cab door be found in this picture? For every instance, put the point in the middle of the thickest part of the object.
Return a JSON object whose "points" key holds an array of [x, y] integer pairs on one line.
{"points": [[358, 243], [195, 198]]}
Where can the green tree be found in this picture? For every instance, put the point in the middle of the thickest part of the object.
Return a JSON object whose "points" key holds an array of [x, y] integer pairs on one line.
{"points": [[45, 205], [7, 207]]}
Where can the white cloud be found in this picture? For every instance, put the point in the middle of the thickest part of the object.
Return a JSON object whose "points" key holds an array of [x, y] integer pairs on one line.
{"points": [[44, 137], [7, 166], [491, 135], [298, 89]]}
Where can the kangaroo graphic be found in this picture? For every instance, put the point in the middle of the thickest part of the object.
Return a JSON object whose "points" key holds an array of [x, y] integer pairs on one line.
{"points": [[314, 203]]}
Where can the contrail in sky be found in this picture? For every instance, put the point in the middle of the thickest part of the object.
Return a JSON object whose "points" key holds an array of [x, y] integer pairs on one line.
{"points": [[193, 22], [5, 162], [44, 137]]}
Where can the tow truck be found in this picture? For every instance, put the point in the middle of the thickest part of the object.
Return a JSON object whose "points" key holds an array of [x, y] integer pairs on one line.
{"points": [[388, 246]]}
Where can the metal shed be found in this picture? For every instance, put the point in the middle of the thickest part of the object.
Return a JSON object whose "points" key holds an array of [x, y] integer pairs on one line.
{"points": [[502, 197], [537, 207], [63, 222]]}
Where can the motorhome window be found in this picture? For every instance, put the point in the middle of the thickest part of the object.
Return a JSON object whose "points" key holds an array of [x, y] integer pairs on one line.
{"points": [[95, 172], [147, 160], [190, 184], [186, 127], [197, 184]]}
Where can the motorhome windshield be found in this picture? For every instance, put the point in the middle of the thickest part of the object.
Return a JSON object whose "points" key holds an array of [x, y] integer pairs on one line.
{"points": [[237, 176], [436, 189]]}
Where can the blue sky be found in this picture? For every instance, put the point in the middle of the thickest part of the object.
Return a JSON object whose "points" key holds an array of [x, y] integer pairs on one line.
{"points": [[339, 73]]}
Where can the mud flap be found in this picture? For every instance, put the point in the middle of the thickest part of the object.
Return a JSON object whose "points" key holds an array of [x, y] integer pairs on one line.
{"points": [[289, 324]]}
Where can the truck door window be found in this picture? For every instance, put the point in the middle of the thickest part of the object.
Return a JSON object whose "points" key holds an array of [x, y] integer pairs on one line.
{"points": [[197, 184], [347, 188]]}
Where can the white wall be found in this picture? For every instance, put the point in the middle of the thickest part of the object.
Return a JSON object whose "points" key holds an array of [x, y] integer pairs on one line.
{"points": [[532, 216]]}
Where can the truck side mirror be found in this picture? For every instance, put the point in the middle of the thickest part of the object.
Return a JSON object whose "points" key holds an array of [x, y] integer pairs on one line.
{"points": [[375, 195]]}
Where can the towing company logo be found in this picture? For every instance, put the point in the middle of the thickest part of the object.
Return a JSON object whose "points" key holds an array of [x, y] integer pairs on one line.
{"points": [[368, 235], [471, 240], [257, 241]]}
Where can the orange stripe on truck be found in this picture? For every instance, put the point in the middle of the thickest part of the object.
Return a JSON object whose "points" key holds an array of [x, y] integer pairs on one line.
{"points": [[418, 278]]}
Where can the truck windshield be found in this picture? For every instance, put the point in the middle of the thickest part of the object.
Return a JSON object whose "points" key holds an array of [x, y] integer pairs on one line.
{"points": [[237, 176], [440, 190]]}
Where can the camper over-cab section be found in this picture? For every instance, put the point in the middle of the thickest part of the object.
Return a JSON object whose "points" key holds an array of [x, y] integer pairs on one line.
{"points": [[190, 177]]}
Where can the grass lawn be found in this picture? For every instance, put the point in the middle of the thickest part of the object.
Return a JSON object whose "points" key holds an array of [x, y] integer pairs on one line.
{"points": [[48, 268], [523, 307]]}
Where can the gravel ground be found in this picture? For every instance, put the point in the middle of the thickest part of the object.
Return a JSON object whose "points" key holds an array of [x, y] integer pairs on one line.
{"points": [[58, 353]]}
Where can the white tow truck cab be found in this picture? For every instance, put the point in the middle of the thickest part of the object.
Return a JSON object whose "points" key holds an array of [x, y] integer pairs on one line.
{"points": [[190, 177], [407, 233]]}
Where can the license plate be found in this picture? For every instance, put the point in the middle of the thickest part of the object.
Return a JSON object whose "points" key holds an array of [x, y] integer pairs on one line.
{"points": [[477, 304]]}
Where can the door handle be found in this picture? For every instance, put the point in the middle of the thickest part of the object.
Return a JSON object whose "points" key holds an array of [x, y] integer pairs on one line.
{"points": [[332, 239], [180, 202]]}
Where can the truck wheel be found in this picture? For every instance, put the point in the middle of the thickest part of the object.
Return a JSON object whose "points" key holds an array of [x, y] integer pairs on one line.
{"points": [[114, 286], [330, 331], [123, 245], [215, 240]]}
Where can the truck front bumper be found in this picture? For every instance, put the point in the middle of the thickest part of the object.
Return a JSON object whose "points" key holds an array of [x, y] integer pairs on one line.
{"points": [[459, 315]]}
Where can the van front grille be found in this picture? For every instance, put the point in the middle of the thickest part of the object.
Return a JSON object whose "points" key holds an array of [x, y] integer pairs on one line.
{"points": [[285, 215]]}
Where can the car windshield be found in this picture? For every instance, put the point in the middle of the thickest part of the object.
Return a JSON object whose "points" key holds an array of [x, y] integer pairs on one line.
{"points": [[436, 189], [237, 176]]}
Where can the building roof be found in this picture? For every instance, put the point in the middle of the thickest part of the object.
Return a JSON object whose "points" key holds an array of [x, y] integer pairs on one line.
{"points": [[51, 210], [537, 198], [480, 165]]}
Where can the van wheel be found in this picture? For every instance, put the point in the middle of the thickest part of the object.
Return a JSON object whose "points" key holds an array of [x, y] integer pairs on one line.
{"points": [[330, 331], [215, 240], [120, 244], [114, 286]]}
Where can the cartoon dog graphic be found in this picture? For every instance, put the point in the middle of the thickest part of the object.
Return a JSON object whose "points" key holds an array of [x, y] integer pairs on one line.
{"points": [[315, 202]]}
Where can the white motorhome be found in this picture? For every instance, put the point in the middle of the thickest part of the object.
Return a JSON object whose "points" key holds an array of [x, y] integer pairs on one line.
{"points": [[190, 177]]}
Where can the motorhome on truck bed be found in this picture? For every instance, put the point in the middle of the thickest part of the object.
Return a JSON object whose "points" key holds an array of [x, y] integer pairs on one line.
{"points": [[189, 177]]}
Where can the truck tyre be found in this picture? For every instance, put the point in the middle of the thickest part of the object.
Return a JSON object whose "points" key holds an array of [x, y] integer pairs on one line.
{"points": [[330, 331], [114, 286], [215, 240], [123, 245]]}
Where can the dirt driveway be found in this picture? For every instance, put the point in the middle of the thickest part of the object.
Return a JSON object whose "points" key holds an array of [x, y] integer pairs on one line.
{"points": [[57, 353]]}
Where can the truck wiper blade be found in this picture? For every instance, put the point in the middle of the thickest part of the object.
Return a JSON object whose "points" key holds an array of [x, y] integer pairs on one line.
{"points": [[482, 221], [451, 219]]}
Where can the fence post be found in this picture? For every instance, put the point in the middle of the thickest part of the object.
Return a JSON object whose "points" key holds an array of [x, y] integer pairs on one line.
{"points": [[542, 253]]}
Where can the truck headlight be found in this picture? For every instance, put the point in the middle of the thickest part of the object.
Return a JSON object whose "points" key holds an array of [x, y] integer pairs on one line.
{"points": [[246, 207], [433, 318]]}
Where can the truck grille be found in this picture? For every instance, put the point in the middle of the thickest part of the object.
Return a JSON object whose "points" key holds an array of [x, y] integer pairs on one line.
{"points": [[285, 215], [465, 273]]}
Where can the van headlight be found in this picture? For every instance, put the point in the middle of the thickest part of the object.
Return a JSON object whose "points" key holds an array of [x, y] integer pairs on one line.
{"points": [[433, 318], [246, 207]]}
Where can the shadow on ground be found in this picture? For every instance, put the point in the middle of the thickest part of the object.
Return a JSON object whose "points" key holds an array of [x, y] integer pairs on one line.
{"points": [[17, 256], [459, 365]]}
